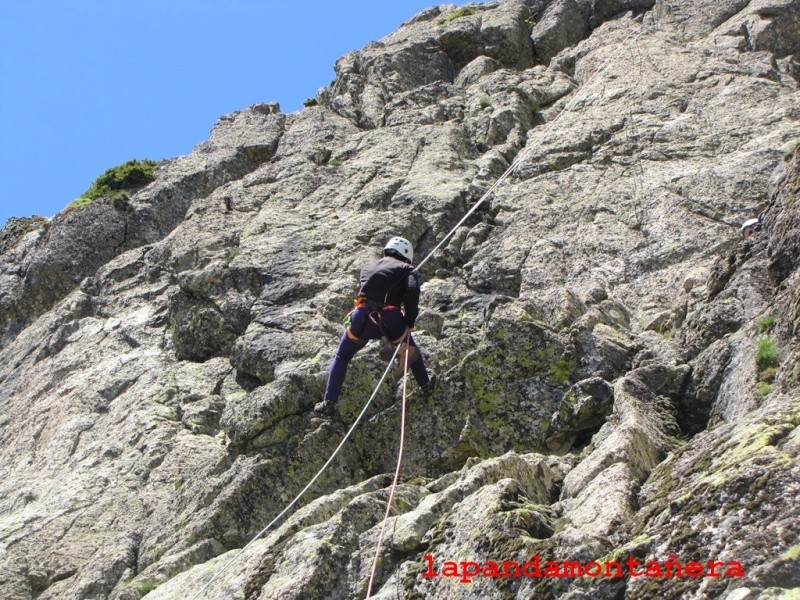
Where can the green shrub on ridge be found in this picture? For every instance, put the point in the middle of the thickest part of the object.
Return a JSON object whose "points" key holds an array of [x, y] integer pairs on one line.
{"points": [[463, 11], [131, 175]]}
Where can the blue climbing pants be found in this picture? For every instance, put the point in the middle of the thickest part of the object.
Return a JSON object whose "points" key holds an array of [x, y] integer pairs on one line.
{"points": [[361, 330]]}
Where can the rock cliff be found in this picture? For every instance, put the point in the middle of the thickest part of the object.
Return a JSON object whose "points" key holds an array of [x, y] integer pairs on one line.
{"points": [[618, 369]]}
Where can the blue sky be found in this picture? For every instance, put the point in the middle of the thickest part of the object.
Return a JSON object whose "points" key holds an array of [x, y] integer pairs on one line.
{"points": [[88, 84]]}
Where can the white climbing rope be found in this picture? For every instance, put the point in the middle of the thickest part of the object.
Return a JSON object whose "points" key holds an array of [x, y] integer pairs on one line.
{"points": [[310, 483], [517, 161], [527, 151], [514, 165]]}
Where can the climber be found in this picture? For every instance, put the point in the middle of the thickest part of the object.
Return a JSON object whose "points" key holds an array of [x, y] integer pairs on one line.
{"points": [[751, 226], [386, 284]]}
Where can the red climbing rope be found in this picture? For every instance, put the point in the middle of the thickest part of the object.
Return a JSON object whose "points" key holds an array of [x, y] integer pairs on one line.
{"points": [[517, 161], [397, 469]]}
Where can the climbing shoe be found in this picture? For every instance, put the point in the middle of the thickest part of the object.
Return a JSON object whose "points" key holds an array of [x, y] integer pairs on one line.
{"points": [[430, 388], [326, 408]]}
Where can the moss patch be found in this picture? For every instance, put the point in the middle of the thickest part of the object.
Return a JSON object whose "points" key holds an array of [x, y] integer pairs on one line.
{"points": [[753, 441], [763, 389], [518, 361], [635, 547], [77, 204], [561, 370], [146, 587], [790, 149], [744, 458], [792, 553]]}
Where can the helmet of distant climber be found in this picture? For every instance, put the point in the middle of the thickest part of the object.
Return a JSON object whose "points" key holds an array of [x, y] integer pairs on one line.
{"points": [[386, 307], [752, 226]]}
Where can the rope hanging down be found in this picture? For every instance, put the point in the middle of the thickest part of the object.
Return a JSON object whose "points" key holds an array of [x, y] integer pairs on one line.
{"points": [[397, 469], [520, 158], [310, 483], [514, 165]]}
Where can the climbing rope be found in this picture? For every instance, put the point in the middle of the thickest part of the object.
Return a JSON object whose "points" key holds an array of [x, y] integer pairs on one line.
{"points": [[313, 480], [514, 165], [520, 158], [397, 469]]}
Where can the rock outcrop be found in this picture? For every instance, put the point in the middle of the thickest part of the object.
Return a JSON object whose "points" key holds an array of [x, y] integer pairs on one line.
{"points": [[618, 369]]}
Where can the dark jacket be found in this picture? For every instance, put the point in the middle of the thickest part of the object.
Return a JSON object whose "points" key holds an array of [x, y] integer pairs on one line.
{"points": [[392, 282]]}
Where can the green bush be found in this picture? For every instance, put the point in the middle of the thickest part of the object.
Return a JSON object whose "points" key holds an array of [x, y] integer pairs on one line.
{"points": [[127, 176], [464, 11], [767, 323], [767, 353], [78, 203], [131, 175], [146, 587], [531, 21], [310, 102]]}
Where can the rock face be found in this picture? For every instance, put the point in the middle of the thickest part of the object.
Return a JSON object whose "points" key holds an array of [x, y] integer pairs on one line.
{"points": [[618, 370]]}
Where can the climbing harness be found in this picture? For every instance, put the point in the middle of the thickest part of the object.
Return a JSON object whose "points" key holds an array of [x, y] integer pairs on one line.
{"points": [[514, 165], [375, 315]]}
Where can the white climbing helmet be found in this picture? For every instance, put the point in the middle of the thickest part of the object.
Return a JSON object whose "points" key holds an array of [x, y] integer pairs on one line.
{"points": [[401, 247], [750, 223], [750, 226]]}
